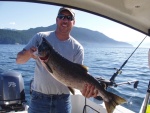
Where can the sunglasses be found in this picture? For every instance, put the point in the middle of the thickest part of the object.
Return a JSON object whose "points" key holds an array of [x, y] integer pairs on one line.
{"points": [[62, 17]]}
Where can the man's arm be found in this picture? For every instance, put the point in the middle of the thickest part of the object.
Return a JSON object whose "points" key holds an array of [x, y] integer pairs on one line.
{"points": [[24, 55]]}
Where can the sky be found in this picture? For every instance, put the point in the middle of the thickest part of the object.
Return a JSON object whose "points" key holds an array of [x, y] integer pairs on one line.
{"points": [[23, 15]]}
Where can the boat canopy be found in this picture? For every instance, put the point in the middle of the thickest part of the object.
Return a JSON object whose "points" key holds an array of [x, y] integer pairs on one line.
{"points": [[132, 13]]}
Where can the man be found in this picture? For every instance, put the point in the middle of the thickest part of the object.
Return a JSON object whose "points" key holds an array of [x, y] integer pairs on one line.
{"points": [[49, 95]]}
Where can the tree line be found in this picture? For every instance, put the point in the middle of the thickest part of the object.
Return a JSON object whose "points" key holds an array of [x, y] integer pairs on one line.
{"points": [[12, 37]]}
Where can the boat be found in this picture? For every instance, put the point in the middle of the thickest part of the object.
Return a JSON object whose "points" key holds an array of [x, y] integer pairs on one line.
{"points": [[133, 14]]}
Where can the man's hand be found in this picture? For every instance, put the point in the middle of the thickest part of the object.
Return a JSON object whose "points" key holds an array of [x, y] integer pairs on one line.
{"points": [[24, 55], [89, 91], [30, 53]]}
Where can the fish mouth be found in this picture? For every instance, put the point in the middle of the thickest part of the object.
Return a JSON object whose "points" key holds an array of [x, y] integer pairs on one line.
{"points": [[44, 58]]}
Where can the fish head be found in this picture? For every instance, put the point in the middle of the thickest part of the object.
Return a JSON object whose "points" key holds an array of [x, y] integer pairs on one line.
{"points": [[44, 50]]}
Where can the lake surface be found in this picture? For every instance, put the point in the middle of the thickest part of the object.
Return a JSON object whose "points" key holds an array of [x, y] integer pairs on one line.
{"points": [[101, 63]]}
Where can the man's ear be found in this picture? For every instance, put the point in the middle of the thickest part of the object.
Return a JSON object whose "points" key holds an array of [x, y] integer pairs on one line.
{"points": [[56, 20], [73, 22]]}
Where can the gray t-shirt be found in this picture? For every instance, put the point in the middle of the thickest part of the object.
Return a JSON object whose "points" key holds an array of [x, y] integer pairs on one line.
{"points": [[70, 49]]}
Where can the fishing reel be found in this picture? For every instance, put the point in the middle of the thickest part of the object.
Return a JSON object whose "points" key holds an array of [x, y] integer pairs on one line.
{"points": [[107, 83], [113, 83]]}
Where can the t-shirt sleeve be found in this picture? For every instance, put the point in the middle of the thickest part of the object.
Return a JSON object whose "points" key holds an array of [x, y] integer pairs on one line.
{"points": [[34, 42], [79, 56]]}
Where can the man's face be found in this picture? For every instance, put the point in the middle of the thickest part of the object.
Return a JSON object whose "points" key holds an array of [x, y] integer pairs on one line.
{"points": [[65, 22]]}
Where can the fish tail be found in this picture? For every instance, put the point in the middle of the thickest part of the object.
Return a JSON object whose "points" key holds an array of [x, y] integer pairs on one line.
{"points": [[113, 102]]}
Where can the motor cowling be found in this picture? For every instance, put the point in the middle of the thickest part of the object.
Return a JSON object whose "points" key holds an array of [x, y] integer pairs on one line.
{"points": [[12, 95]]}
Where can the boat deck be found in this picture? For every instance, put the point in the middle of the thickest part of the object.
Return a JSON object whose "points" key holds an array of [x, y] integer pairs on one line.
{"points": [[92, 105]]}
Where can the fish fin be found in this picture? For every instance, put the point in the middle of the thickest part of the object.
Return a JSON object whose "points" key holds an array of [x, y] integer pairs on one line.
{"points": [[85, 67], [71, 90], [113, 102], [82, 67], [49, 68]]}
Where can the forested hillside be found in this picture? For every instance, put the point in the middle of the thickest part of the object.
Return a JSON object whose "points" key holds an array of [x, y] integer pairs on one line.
{"points": [[81, 34]]}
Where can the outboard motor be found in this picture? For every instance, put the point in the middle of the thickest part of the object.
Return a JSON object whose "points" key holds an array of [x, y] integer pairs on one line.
{"points": [[12, 95]]}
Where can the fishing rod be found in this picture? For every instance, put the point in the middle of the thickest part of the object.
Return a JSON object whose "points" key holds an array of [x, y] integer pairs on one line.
{"points": [[112, 79]]}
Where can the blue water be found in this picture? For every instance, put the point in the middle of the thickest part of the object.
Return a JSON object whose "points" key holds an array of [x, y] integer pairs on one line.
{"points": [[101, 62]]}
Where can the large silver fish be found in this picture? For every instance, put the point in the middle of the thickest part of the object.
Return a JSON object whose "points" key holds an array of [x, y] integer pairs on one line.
{"points": [[74, 75]]}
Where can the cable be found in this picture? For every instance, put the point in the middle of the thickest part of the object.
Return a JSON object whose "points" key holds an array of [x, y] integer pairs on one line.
{"points": [[84, 108]]}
